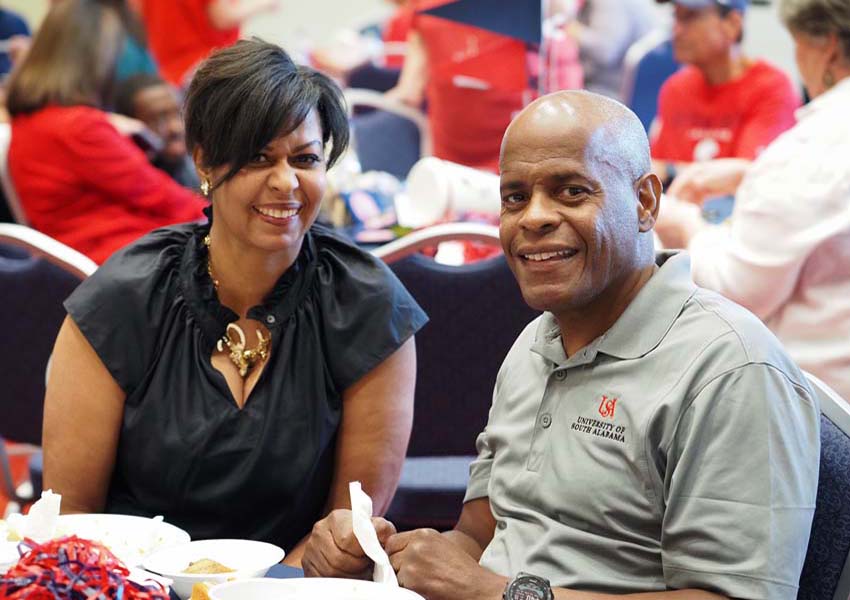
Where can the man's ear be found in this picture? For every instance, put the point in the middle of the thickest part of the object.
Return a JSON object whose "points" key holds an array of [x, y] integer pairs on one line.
{"points": [[734, 25], [649, 201]]}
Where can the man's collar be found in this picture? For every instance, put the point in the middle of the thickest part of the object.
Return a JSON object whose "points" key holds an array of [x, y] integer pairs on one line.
{"points": [[642, 325]]}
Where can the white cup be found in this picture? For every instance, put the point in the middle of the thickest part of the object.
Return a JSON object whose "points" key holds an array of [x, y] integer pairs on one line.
{"points": [[435, 187]]}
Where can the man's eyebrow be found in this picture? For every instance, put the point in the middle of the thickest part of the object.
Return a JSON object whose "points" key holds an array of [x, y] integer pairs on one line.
{"points": [[511, 185]]}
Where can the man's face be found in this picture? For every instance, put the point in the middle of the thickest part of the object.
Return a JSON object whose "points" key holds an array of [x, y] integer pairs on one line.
{"points": [[157, 106], [569, 220], [702, 35]]}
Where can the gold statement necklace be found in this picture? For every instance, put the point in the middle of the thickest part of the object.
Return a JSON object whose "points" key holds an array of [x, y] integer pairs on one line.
{"points": [[245, 360]]}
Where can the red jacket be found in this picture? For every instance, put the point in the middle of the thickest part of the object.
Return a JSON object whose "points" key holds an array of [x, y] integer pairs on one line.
{"points": [[83, 183]]}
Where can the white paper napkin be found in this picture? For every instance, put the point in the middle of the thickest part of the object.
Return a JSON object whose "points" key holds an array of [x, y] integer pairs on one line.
{"points": [[364, 531], [40, 523]]}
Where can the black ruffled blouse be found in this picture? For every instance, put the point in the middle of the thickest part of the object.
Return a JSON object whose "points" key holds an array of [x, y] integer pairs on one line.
{"points": [[186, 451]]}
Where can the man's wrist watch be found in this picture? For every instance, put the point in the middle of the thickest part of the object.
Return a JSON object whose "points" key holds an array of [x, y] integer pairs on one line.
{"points": [[528, 587]]}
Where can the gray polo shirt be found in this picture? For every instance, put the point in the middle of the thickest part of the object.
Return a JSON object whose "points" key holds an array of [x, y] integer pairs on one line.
{"points": [[678, 450]]}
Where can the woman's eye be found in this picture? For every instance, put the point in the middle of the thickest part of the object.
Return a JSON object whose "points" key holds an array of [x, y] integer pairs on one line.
{"points": [[260, 158], [308, 159]]}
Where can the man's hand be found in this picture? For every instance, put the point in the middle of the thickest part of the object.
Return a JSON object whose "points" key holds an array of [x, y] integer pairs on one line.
{"points": [[333, 551], [431, 565], [700, 181]]}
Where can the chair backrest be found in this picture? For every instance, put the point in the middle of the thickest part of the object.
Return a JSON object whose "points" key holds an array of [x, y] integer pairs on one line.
{"points": [[370, 76], [647, 65], [9, 192], [476, 312], [37, 273], [826, 572], [391, 137]]}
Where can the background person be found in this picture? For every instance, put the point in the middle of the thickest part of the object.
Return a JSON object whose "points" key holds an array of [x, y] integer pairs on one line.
{"points": [[721, 104], [156, 103], [784, 254], [182, 33], [78, 178]]}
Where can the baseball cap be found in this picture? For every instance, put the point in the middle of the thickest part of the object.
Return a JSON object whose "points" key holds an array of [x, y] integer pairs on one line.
{"points": [[739, 5]]}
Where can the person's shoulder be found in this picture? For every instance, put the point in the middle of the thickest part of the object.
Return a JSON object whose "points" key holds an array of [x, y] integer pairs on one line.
{"points": [[731, 336], [764, 78], [334, 251], [148, 265], [681, 83]]}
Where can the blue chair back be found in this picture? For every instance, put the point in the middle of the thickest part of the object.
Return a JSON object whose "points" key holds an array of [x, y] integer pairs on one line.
{"points": [[648, 64], [31, 313], [385, 141], [476, 312], [826, 573]]}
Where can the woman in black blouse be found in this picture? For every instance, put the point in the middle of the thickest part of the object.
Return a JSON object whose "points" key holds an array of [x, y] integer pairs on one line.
{"points": [[235, 376]]}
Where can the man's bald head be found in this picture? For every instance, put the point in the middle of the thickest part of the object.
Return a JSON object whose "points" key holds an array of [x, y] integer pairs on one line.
{"points": [[609, 132], [578, 202]]}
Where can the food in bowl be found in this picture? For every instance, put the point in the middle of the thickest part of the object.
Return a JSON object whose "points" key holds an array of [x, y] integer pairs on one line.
{"points": [[207, 566], [245, 558]]}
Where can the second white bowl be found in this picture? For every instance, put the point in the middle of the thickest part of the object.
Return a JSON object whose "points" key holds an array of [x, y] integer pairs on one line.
{"points": [[247, 558]]}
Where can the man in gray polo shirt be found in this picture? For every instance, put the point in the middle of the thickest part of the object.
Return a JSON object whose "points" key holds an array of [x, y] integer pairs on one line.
{"points": [[646, 435]]}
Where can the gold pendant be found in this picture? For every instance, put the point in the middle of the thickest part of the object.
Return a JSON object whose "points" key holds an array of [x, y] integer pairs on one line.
{"points": [[243, 359]]}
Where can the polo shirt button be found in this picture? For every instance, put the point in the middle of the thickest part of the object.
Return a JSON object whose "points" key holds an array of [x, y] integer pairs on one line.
{"points": [[501, 525], [270, 319], [545, 420], [560, 375]]}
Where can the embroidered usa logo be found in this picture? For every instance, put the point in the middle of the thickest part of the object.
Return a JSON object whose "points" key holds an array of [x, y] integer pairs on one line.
{"points": [[607, 406]]}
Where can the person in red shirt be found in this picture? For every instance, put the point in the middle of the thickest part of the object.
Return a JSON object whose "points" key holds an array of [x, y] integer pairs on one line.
{"points": [[722, 104], [474, 81], [181, 33], [78, 179]]}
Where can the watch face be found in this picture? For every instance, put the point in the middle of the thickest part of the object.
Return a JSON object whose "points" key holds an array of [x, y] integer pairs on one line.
{"points": [[528, 588]]}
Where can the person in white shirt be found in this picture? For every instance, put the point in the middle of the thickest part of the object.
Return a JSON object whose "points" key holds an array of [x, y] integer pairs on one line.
{"points": [[785, 254]]}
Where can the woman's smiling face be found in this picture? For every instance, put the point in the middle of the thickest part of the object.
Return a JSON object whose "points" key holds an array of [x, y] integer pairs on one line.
{"points": [[272, 201]]}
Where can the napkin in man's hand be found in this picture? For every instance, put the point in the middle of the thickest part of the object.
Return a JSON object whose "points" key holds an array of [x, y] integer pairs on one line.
{"points": [[364, 531]]}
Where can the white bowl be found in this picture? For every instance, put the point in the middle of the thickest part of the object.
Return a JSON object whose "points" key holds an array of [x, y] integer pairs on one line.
{"points": [[246, 557], [130, 538], [8, 555], [308, 589]]}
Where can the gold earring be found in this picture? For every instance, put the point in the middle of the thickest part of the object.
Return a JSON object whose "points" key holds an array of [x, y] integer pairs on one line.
{"points": [[205, 187], [828, 79]]}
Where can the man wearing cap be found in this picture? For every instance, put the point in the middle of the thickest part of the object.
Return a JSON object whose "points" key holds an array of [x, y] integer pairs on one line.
{"points": [[646, 436], [721, 104]]}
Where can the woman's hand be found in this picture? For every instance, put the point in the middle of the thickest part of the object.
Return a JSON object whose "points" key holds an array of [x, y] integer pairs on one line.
{"points": [[704, 180], [332, 550]]}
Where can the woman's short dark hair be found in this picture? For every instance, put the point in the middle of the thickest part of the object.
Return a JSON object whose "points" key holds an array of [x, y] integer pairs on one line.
{"points": [[244, 96], [72, 58]]}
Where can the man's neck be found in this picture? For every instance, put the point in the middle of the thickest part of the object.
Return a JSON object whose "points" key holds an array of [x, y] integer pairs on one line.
{"points": [[726, 68], [580, 327], [245, 275]]}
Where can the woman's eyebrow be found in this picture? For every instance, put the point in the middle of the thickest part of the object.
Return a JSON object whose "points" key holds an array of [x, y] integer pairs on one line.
{"points": [[307, 145]]}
